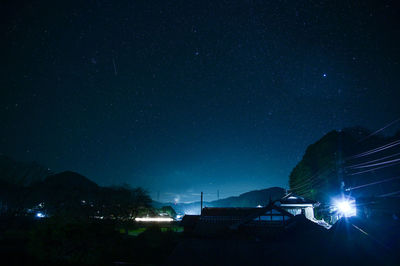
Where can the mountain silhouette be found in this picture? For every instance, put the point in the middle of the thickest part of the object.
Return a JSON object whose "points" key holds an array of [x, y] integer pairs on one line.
{"points": [[21, 173], [248, 199]]}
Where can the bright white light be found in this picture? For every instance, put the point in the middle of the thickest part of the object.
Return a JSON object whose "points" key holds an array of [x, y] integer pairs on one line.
{"points": [[259, 206], [346, 207], [154, 219], [40, 215]]}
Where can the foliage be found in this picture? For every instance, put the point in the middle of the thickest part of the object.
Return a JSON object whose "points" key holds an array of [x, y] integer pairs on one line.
{"points": [[326, 165], [124, 202], [69, 194], [168, 210], [56, 241]]}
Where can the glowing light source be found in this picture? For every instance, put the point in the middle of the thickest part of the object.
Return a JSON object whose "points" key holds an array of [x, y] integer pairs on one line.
{"points": [[40, 215], [346, 207], [154, 219]]}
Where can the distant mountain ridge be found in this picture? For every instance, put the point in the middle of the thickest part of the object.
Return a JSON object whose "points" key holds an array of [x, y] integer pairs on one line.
{"points": [[71, 180], [72, 194], [21, 173], [249, 199], [37, 183]]}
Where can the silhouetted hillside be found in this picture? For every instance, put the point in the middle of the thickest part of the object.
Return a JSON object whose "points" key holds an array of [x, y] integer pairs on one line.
{"points": [[354, 156], [70, 194], [69, 180], [248, 199], [21, 173], [251, 198]]}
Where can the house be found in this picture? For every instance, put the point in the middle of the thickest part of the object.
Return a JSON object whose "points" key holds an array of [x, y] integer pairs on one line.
{"points": [[217, 221], [189, 223], [274, 218], [298, 205]]}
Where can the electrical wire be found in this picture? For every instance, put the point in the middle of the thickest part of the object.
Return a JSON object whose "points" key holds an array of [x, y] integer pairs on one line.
{"points": [[376, 164], [310, 183], [379, 130], [315, 175], [373, 183], [379, 149], [376, 160], [389, 194], [373, 169]]}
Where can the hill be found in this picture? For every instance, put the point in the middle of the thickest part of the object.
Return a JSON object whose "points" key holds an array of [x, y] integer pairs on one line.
{"points": [[72, 194], [349, 158], [21, 173], [248, 199]]}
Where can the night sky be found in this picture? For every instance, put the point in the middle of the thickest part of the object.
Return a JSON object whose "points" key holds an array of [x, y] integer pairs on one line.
{"points": [[181, 97]]}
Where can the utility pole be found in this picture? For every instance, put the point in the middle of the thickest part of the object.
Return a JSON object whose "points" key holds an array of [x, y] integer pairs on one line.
{"points": [[339, 163], [201, 203]]}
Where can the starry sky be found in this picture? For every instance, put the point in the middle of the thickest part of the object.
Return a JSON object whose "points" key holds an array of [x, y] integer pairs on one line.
{"points": [[187, 96]]}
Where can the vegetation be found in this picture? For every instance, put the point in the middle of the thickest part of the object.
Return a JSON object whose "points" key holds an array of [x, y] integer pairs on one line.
{"points": [[73, 195], [85, 224], [60, 241], [327, 166]]}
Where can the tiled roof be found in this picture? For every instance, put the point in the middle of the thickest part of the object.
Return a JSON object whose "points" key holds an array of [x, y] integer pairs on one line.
{"points": [[238, 212], [293, 199]]}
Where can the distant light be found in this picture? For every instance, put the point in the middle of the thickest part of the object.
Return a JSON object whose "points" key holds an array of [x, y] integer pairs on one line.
{"points": [[346, 207], [324, 75], [40, 215], [154, 219], [259, 206], [176, 200], [179, 216]]}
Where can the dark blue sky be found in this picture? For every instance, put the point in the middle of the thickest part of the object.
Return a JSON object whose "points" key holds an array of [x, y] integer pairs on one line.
{"points": [[182, 97]]}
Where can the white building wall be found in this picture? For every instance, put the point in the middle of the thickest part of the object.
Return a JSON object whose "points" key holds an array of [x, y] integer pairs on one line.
{"points": [[309, 212]]}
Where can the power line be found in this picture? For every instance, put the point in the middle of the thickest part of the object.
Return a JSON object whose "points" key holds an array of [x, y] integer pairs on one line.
{"points": [[318, 184], [377, 168], [376, 164], [379, 149], [373, 183], [315, 175], [376, 160], [389, 194], [309, 183], [379, 130]]}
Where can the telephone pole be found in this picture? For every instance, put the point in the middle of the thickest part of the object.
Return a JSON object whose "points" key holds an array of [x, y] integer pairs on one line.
{"points": [[201, 203], [339, 163]]}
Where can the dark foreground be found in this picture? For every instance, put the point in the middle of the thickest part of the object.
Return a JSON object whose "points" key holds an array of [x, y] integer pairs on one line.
{"points": [[348, 242], [64, 242]]}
